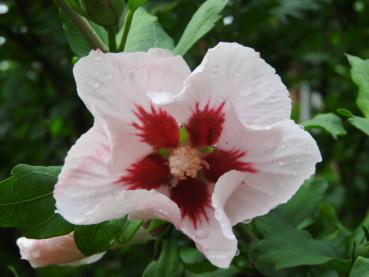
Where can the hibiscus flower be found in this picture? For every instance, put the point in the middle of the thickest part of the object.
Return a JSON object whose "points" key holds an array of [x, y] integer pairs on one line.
{"points": [[202, 150]]}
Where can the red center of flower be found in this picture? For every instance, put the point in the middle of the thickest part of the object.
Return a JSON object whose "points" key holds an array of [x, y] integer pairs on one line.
{"points": [[186, 160]]}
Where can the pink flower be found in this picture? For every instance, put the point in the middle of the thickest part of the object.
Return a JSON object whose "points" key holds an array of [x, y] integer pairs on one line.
{"points": [[242, 157], [58, 250]]}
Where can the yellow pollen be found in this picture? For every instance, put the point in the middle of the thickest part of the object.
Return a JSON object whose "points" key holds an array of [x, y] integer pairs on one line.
{"points": [[185, 162]]}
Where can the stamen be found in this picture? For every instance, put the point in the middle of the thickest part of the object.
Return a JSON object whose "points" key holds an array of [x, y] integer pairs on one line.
{"points": [[185, 162]]}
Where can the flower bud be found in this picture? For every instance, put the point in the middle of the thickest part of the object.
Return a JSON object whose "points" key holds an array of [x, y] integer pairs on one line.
{"points": [[57, 250], [103, 12]]}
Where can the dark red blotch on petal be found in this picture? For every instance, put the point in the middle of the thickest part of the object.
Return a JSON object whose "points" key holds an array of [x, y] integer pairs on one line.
{"points": [[222, 161], [192, 197], [157, 128], [149, 173], [205, 125]]}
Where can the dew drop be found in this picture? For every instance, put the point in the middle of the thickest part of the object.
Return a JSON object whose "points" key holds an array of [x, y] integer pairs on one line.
{"points": [[215, 72], [295, 173], [108, 76], [96, 85], [35, 254], [283, 146], [97, 57], [237, 74], [201, 233], [308, 146], [280, 163], [237, 252], [297, 161], [247, 221]]}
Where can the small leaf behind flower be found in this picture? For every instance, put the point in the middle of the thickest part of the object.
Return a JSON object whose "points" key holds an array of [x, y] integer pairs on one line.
{"points": [[285, 246], [329, 122], [169, 263], [201, 23], [360, 75], [360, 123], [96, 238], [146, 32], [360, 268]]}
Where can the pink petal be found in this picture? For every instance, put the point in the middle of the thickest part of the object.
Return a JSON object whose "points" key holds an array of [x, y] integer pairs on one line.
{"points": [[236, 75], [213, 237], [283, 156], [113, 84], [84, 180], [57, 250]]}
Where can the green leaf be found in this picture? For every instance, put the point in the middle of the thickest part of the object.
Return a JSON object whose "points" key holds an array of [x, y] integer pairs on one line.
{"points": [[345, 112], [360, 123], [76, 5], [360, 76], [92, 239], [329, 122], [135, 4], [360, 268], [304, 202], [154, 225], [201, 23], [26, 202], [285, 246], [358, 237], [146, 33], [169, 263], [77, 41], [195, 262]]}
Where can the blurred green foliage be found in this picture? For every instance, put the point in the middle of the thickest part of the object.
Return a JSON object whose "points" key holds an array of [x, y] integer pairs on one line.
{"points": [[305, 40]]}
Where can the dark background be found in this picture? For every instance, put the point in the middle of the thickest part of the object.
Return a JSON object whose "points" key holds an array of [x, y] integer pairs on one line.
{"points": [[305, 40]]}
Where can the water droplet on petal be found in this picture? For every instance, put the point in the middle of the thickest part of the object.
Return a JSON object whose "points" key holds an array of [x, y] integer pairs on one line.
{"points": [[214, 72], [108, 76], [202, 233], [97, 57], [295, 173], [297, 161], [35, 253], [96, 85], [283, 146], [280, 163], [247, 221], [237, 252]]}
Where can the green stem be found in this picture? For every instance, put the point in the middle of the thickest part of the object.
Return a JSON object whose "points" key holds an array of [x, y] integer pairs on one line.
{"points": [[112, 31], [84, 26], [245, 233], [126, 27]]}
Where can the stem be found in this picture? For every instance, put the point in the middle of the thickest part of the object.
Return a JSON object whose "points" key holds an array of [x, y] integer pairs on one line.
{"points": [[245, 233], [159, 240], [112, 38], [83, 25], [126, 27]]}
